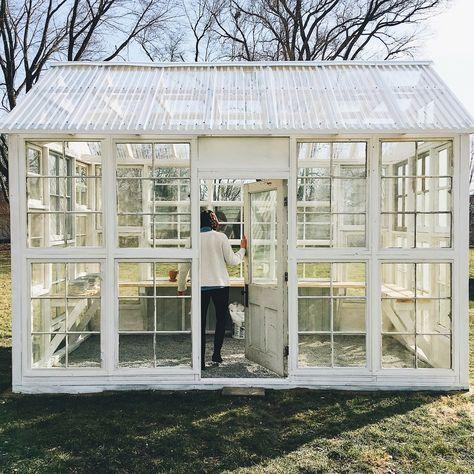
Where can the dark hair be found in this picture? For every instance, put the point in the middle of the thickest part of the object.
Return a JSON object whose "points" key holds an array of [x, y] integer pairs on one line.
{"points": [[206, 219]]}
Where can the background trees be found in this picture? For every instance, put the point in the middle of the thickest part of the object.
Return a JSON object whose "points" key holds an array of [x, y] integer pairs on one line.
{"points": [[35, 32]]}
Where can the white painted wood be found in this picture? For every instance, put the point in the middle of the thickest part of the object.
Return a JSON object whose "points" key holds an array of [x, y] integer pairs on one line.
{"points": [[77, 380], [244, 153], [265, 310]]}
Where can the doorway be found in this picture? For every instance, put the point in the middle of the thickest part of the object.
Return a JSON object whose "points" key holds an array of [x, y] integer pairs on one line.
{"points": [[255, 345]]}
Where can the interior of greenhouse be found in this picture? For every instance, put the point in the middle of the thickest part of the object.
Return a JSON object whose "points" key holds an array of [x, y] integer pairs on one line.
{"points": [[153, 210]]}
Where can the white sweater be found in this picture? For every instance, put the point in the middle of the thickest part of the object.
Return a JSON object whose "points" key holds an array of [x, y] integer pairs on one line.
{"points": [[215, 253]]}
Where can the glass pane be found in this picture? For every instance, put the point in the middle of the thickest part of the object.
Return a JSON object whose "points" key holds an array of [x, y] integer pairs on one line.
{"points": [[398, 351], [398, 230], [314, 192], [314, 350], [136, 351], [48, 350], [314, 314], [348, 279], [433, 316], [84, 350], [135, 154], [433, 280], [48, 279], [348, 315], [84, 279], [83, 315], [314, 279], [48, 315], [434, 351], [263, 238], [173, 350], [398, 280], [348, 195], [349, 350], [348, 230], [136, 314], [33, 159], [134, 278], [130, 194], [69, 183], [430, 234], [398, 315]]}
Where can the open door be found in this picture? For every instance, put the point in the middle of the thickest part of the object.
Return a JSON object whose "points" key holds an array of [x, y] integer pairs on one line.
{"points": [[265, 224]]}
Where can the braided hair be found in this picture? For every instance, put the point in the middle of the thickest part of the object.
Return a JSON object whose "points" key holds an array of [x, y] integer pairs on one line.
{"points": [[209, 219]]}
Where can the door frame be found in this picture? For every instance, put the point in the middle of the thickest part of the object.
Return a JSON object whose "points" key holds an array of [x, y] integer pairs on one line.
{"points": [[264, 176]]}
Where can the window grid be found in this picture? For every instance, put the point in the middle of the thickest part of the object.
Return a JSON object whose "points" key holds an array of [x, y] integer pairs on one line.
{"points": [[332, 214], [333, 297], [416, 333], [165, 186], [64, 303], [151, 278]]}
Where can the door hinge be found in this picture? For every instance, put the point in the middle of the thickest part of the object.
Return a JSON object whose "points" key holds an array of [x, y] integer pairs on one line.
{"points": [[285, 201], [286, 276], [286, 351]]}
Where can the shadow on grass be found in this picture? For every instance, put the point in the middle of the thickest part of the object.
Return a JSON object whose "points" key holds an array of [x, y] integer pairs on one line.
{"points": [[5, 368], [183, 431]]}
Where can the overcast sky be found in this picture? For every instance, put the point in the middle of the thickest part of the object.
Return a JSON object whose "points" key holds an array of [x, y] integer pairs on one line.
{"points": [[451, 47]]}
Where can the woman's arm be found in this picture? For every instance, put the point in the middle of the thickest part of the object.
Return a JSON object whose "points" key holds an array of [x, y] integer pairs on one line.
{"points": [[230, 257], [183, 272]]}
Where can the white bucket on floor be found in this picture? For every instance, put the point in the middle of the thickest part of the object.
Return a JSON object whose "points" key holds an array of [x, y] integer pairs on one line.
{"points": [[237, 313]]}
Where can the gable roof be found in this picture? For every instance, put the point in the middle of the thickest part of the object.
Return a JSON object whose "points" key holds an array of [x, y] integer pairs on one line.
{"points": [[253, 98]]}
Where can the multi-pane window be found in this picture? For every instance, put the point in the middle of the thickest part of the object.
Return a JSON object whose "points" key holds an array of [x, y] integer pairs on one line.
{"points": [[225, 198], [331, 194], [62, 203], [153, 194], [416, 315], [416, 194], [65, 314], [331, 314], [154, 321]]}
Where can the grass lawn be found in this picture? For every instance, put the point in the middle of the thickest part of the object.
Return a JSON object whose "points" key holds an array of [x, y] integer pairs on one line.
{"points": [[287, 431]]}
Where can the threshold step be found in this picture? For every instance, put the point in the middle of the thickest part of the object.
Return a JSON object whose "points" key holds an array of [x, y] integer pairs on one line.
{"points": [[243, 391]]}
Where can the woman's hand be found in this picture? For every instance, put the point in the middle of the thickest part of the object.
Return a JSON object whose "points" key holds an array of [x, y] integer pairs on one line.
{"points": [[243, 242]]}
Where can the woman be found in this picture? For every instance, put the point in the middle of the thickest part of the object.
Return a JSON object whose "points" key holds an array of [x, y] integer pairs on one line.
{"points": [[216, 252]]}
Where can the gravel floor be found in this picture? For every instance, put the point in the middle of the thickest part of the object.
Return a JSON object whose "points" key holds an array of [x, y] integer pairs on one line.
{"points": [[235, 364], [175, 350]]}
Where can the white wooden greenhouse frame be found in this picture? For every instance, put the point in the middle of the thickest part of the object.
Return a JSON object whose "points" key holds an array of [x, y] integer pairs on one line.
{"points": [[244, 121]]}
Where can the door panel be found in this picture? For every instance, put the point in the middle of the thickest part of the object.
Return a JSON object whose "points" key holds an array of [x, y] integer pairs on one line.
{"points": [[265, 224]]}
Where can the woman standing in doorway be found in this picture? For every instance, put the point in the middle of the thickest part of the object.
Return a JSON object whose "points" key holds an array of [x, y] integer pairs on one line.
{"points": [[216, 252]]}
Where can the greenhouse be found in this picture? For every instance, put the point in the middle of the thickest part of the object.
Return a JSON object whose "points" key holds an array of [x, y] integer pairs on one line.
{"points": [[349, 179]]}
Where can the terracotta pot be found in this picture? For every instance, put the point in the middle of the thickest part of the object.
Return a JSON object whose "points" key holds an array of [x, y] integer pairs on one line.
{"points": [[173, 274]]}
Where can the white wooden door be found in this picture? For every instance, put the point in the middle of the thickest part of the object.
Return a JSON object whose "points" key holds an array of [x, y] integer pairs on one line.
{"points": [[265, 224]]}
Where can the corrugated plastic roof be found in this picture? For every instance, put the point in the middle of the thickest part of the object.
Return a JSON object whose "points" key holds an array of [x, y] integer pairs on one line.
{"points": [[253, 98]]}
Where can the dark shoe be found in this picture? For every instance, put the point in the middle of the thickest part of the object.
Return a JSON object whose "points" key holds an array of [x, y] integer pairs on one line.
{"points": [[216, 358]]}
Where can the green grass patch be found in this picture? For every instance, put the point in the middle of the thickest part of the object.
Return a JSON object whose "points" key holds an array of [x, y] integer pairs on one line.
{"points": [[293, 431]]}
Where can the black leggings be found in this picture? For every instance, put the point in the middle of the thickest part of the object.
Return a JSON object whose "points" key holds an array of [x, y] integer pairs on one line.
{"points": [[220, 298]]}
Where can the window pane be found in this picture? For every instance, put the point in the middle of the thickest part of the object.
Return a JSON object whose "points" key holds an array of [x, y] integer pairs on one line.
{"points": [[398, 351], [314, 350], [153, 212], [314, 314], [65, 306], [348, 315], [331, 300], [349, 350], [136, 350], [331, 194], [420, 321], [150, 305], [416, 179], [434, 351], [398, 315], [84, 350], [68, 182]]}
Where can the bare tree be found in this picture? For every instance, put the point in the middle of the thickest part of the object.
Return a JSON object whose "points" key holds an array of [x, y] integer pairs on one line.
{"points": [[322, 29], [34, 32]]}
